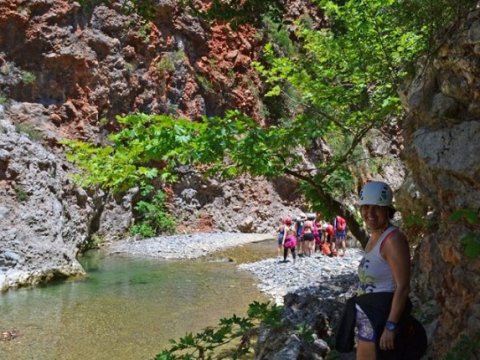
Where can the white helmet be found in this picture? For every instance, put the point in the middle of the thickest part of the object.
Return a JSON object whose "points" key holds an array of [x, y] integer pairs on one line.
{"points": [[376, 193], [311, 216]]}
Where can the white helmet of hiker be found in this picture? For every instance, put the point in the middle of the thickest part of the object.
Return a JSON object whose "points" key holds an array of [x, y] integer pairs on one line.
{"points": [[376, 193], [311, 216]]}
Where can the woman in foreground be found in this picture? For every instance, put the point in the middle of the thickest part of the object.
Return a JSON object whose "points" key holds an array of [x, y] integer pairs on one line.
{"points": [[380, 311]]}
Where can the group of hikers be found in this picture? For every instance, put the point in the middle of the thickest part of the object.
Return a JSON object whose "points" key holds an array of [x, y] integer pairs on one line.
{"points": [[307, 234]]}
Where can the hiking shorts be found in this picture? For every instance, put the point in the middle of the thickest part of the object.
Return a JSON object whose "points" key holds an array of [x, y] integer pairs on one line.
{"points": [[308, 237], [340, 235], [365, 330]]}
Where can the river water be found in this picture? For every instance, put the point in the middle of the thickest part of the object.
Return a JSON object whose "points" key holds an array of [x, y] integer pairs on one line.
{"points": [[127, 308]]}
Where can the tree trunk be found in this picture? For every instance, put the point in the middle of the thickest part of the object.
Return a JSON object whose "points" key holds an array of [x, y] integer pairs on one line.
{"points": [[337, 207]]}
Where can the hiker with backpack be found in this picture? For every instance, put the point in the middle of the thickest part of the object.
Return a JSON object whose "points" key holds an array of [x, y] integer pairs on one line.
{"points": [[328, 245], [281, 233], [317, 234], [308, 236], [299, 223], [289, 241], [340, 227], [380, 311]]}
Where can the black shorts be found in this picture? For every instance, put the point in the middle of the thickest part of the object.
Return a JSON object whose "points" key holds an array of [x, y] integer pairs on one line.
{"points": [[308, 237]]}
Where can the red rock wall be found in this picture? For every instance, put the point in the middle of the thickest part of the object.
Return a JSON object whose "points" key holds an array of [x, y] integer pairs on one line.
{"points": [[86, 65]]}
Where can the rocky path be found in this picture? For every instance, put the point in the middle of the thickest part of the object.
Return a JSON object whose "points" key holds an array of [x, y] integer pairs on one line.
{"points": [[334, 275], [276, 278]]}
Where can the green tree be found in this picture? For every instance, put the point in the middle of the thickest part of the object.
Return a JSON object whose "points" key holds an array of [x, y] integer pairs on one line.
{"points": [[153, 219], [345, 80]]}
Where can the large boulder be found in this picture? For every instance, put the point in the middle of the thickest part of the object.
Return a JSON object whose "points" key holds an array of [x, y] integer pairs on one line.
{"points": [[43, 216], [46, 218]]}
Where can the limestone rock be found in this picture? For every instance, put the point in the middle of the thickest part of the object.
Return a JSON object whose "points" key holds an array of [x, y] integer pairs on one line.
{"points": [[442, 132], [45, 217], [42, 219], [245, 204]]}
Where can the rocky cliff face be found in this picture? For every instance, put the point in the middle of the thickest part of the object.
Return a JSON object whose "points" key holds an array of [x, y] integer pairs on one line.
{"points": [[42, 215], [46, 218], [442, 133], [85, 65]]}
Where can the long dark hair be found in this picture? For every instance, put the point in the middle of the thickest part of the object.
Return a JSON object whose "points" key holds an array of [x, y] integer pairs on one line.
{"points": [[391, 212]]}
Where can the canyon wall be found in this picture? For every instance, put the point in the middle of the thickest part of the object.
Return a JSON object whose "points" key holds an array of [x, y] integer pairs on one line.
{"points": [[442, 152]]}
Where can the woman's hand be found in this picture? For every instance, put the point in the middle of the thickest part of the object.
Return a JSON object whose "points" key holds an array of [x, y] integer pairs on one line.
{"points": [[387, 340]]}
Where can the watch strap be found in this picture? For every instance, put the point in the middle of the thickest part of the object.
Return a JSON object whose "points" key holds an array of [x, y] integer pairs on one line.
{"points": [[391, 326]]}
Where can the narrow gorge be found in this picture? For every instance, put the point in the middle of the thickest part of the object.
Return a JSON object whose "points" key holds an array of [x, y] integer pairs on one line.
{"points": [[67, 69]]}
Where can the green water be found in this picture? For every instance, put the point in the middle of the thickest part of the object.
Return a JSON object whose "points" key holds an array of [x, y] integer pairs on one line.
{"points": [[126, 308]]}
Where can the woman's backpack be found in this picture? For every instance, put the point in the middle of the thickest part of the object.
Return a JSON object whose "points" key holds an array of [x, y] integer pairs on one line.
{"points": [[341, 224]]}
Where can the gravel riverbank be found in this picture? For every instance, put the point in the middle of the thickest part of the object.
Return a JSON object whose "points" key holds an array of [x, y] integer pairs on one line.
{"points": [[189, 246], [334, 275], [276, 278]]}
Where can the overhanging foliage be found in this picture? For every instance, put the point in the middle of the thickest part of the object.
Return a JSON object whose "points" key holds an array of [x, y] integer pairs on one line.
{"points": [[344, 78]]}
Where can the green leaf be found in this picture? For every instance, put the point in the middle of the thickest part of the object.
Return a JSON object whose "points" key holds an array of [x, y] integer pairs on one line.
{"points": [[469, 215], [472, 245]]}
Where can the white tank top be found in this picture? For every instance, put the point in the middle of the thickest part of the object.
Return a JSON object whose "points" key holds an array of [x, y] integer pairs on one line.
{"points": [[374, 273]]}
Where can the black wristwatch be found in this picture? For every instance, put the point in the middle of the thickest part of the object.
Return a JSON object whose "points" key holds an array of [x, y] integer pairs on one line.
{"points": [[391, 326]]}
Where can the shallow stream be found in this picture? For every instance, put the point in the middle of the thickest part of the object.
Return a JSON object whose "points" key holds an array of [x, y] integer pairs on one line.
{"points": [[128, 308]]}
